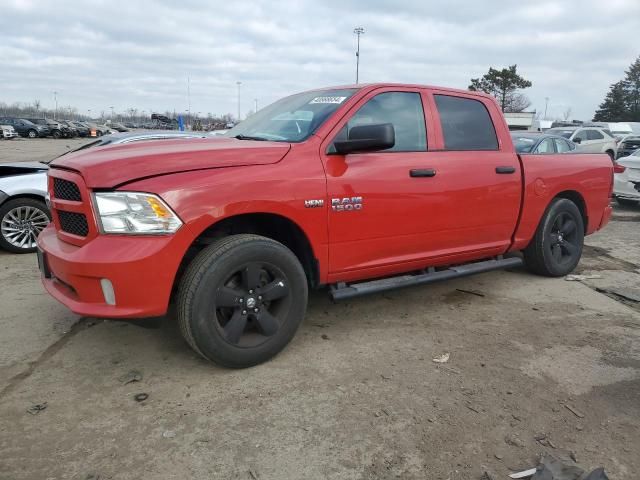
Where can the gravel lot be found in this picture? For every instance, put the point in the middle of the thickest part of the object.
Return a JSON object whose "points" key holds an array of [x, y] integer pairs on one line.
{"points": [[355, 396]]}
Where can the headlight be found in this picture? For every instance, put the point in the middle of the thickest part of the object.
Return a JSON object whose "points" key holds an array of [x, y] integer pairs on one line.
{"points": [[134, 213]]}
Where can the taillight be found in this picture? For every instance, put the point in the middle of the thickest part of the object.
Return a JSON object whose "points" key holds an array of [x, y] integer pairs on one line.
{"points": [[617, 168]]}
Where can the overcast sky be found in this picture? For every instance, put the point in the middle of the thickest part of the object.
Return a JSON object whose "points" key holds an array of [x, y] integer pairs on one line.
{"points": [[138, 54]]}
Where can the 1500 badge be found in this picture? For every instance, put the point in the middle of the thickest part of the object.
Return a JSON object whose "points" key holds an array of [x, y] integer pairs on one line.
{"points": [[346, 204]]}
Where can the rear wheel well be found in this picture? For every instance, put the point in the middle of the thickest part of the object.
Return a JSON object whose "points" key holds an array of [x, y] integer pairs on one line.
{"points": [[576, 198], [276, 227]]}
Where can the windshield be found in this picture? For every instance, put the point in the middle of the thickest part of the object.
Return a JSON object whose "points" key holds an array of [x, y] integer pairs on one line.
{"points": [[523, 144], [291, 119]]}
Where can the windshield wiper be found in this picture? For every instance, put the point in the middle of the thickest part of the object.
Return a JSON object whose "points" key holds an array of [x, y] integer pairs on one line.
{"points": [[248, 137]]}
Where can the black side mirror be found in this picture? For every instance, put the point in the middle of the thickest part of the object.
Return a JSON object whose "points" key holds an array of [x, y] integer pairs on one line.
{"points": [[367, 138], [577, 140]]}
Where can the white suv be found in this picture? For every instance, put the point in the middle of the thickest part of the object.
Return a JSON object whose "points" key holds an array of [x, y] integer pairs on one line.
{"points": [[588, 139]]}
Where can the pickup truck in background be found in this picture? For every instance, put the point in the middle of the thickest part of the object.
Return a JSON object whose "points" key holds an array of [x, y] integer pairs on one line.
{"points": [[358, 188]]}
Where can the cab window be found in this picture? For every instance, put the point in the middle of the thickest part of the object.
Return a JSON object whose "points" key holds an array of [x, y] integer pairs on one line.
{"points": [[403, 110]]}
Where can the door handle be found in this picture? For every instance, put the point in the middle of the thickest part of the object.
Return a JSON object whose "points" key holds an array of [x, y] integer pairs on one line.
{"points": [[425, 172], [505, 170]]}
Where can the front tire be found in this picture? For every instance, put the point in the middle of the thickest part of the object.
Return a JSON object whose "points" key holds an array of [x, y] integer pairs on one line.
{"points": [[241, 300], [32, 134], [56, 134], [556, 247], [21, 221]]}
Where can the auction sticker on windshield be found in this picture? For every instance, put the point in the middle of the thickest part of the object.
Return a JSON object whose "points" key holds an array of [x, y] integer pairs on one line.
{"points": [[328, 100]]}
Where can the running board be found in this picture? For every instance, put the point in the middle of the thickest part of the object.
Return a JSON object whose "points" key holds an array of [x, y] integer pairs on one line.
{"points": [[343, 291]]}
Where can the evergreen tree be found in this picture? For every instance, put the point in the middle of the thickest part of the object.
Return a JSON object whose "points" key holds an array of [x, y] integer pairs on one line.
{"points": [[631, 85], [614, 107], [503, 84]]}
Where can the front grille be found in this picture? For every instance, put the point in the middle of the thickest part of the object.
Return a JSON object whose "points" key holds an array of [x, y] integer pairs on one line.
{"points": [[66, 190], [74, 223]]}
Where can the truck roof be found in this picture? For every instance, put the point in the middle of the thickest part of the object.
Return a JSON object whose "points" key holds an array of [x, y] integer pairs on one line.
{"points": [[372, 86]]}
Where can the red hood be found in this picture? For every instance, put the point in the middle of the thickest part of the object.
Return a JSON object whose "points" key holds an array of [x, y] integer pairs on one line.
{"points": [[109, 166]]}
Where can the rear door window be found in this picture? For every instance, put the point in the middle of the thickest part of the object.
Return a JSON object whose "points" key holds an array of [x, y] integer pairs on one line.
{"points": [[562, 146], [466, 124], [545, 146]]}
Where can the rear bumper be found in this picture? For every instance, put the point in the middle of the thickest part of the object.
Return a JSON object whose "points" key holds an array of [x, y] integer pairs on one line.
{"points": [[141, 270]]}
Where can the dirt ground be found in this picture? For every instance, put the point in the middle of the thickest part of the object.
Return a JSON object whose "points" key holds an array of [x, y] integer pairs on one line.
{"points": [[536, 365]]}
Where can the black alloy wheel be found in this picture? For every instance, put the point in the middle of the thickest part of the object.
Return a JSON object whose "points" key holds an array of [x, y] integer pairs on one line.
{"points": [[241, 300]]}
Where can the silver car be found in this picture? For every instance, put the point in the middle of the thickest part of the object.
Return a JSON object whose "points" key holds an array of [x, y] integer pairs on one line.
{"points": [[23, 189]]}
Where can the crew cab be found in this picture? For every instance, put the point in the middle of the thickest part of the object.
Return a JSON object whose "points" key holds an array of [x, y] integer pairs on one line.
{"points": [[358, 188]]}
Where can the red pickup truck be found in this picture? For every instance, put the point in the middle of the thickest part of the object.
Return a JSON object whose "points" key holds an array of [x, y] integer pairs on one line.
{"points": [[358, 188]]}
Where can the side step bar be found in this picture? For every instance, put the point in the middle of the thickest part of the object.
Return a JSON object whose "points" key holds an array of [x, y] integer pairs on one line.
{"points": [[343, 291]]}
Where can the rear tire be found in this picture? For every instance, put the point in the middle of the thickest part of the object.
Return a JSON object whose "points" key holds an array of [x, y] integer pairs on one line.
{"points": [[556, 247], [56, 134], [241, 300], [32, 134]]}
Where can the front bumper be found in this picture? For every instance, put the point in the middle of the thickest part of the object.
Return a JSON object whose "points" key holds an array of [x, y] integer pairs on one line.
{"points": [[141, 270]]}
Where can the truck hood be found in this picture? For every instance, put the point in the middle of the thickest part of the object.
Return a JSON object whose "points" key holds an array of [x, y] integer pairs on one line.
{"points": [[114, 165]]}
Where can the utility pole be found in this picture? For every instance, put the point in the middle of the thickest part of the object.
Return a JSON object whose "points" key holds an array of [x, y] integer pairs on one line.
{"points": [[546, 104], [238, 84], [55, 98], [358, 31]]}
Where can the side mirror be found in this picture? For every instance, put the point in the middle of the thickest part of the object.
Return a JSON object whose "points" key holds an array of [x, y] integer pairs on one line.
{"points": [[577, 140], [367, 138]]}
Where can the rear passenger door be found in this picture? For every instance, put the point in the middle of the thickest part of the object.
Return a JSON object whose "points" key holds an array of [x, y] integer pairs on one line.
{"points": [[477, 187]]}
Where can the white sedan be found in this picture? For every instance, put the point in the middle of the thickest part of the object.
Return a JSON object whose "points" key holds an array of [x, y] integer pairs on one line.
{"points": [[626, 179]]}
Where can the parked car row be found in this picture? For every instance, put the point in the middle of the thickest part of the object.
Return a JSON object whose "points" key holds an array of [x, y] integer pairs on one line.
{"points": [[46, 127]]}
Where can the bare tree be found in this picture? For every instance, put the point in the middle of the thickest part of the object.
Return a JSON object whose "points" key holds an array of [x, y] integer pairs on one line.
{"points": [[517, 102], [566, 114], [36, 105]]}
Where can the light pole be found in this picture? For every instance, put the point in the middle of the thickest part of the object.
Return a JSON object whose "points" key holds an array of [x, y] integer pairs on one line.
{"points": [[358, 31], [89, 112], [546, 104], [55, 98], [238, 84]]}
